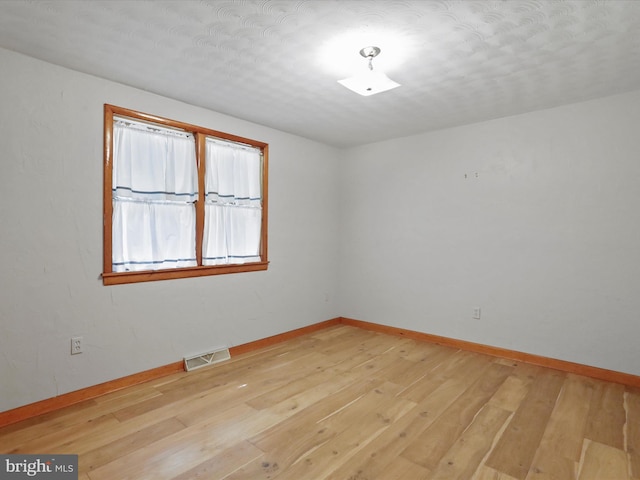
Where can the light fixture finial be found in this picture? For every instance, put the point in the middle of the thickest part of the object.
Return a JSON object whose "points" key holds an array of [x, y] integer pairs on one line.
{"points": [[370, 52]]}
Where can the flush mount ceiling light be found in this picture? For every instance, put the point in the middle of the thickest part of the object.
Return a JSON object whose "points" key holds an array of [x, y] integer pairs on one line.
{"points": [[369, 82]]}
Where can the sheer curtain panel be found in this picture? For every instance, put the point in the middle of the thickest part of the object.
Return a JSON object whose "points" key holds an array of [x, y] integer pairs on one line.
{"points": [[155, 186], [233, 204]]}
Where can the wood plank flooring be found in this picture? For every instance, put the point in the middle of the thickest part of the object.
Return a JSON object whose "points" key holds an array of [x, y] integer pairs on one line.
{"points": [[346, 403]]}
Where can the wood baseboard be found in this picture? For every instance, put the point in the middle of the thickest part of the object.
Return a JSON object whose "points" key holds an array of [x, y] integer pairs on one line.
{"points": [[56, 403], [65, 400], [562, 365]]}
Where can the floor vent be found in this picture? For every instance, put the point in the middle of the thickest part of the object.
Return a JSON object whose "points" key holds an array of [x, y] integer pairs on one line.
{"points": [[219, 354]]}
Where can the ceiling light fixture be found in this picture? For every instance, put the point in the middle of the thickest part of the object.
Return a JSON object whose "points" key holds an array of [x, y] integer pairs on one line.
{"points": [[369, 82]]}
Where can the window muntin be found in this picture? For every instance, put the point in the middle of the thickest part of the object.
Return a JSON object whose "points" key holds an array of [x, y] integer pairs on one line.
{"points": [[196, 206]]}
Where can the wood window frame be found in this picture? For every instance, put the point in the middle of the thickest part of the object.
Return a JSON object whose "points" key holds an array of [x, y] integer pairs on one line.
{"points": [[109, 277]]}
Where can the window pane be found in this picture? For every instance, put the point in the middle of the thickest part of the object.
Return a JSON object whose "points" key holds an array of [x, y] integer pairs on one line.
{"points": [[153, 236], [231, 234], [233, 174], [156, 164]]}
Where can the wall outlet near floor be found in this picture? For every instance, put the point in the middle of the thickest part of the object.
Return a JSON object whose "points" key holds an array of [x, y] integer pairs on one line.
{"points": [[476, 313], [76, 345]]}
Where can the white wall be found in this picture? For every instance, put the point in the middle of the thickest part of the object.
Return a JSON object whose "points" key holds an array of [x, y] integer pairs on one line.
{"points": [[51, 243], [546, 238]]}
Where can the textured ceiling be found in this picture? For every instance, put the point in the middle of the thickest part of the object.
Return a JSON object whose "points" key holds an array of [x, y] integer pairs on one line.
{"points": [[266, 60]]}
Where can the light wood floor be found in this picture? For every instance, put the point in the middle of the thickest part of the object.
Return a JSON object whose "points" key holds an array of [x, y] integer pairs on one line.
{"points": [[349, 404]]}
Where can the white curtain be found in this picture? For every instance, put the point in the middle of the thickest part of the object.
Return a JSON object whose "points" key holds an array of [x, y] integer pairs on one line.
{"points": [[155, 185], [233, 204]]}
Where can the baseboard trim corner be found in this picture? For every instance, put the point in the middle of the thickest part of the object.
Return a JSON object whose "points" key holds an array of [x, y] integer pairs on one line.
{"points": [[282, 337]]}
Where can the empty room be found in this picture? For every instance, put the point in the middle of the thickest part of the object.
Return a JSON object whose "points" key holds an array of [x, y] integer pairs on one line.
{"points": [[321, 239]]}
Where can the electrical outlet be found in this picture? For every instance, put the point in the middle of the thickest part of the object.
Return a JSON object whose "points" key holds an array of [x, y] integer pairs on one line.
{"points": [[476, 313], [76, 345]]}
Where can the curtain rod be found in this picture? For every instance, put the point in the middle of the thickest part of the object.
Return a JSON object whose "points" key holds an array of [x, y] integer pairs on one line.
{"points": [[150, 127], [232, 143]]}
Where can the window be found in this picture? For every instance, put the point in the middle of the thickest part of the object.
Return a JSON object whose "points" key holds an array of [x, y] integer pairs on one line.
{"points": [[180, 200]]}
